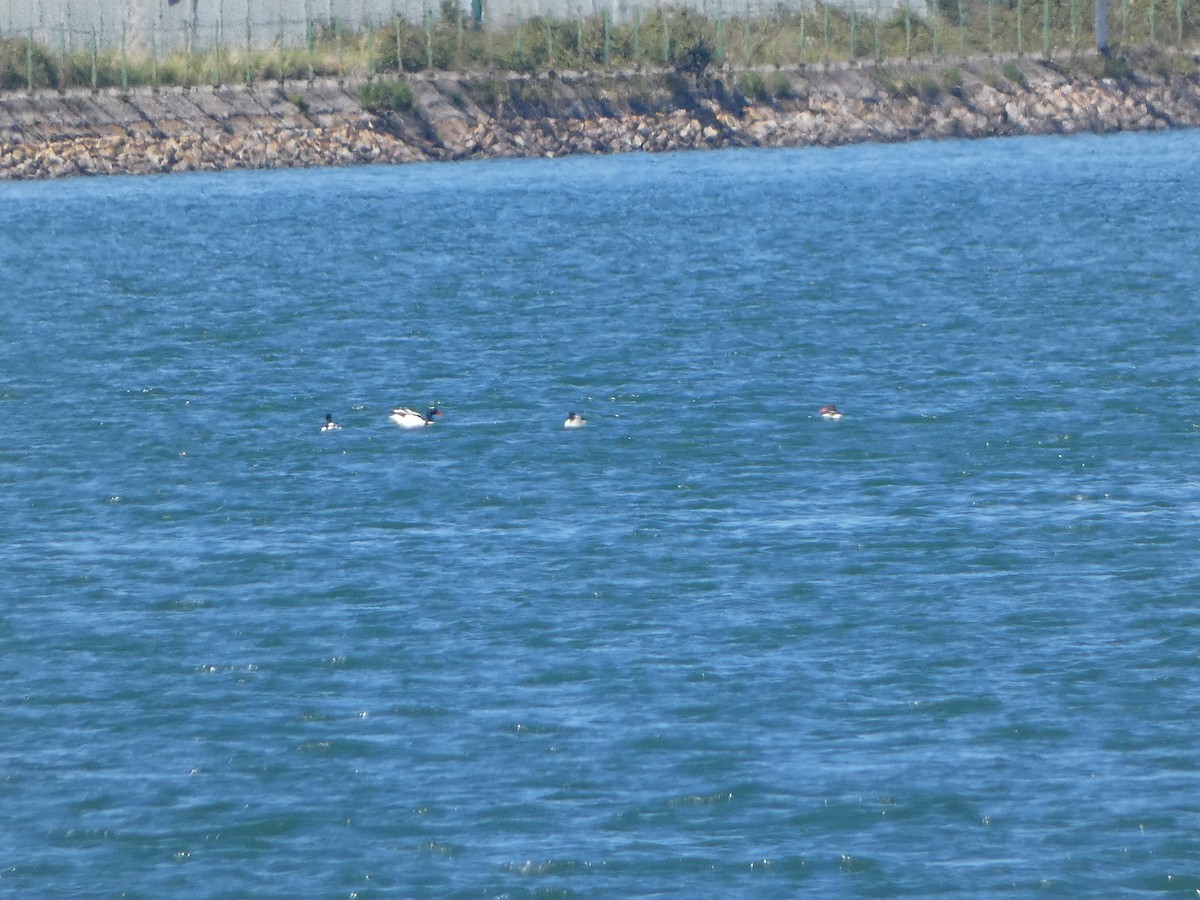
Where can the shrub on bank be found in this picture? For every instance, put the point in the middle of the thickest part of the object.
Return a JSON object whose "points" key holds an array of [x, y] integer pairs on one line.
{"points": [[386, 96], [752, 85], [1014, 74], [22, 62]]}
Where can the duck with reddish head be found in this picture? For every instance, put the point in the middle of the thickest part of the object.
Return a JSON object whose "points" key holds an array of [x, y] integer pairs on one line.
{"points": [[829, 411]]}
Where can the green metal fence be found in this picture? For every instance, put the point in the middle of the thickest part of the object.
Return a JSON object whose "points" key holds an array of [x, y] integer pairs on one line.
{"points": [[458, 38]]}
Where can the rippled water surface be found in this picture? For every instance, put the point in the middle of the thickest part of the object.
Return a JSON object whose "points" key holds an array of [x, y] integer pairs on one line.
{"points": [[710, 645]]}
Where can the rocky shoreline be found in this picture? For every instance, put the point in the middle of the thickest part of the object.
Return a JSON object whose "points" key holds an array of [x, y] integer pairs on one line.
{"points": [[271, 125]]}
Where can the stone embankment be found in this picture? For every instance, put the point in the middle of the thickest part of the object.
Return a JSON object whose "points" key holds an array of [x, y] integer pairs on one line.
{"points": [[52, 134]]}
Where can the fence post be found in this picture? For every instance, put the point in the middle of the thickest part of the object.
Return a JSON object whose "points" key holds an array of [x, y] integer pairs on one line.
{"points": [[282, 61], [853, 30], [878, 33], [339, 48], [803, 39], [908, 33], [746, 37], [124, 56], [991, 27], [637, 37], [62, 54], [825, 32], [607, 37], [460, 62], [310, 39], [428, 38], [218, 55], [1045, 29], [249, 45], [370, 51], [666, 45], [187, 54], [95, 60], [29, 60], [1020, 32], [1153, 29], [399, 46]]}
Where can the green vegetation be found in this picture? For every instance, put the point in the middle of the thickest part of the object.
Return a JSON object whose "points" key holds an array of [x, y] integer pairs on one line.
{"points": [[25, 65], [385, 96], [661, 37], [779, 85], [925, 85], [1014, 74], [299, 102], [753, 86], [1120, 68]]}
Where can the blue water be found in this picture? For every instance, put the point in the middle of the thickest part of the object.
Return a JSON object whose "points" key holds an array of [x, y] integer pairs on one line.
{"points": [[710, 645]]}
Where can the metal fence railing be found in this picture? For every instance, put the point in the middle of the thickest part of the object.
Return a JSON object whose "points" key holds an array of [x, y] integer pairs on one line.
{"points": [[222, 41]]}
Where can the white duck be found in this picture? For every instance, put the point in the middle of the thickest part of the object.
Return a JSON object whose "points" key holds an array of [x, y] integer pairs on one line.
{"points": [[410, 418], [574, 420], [330, 425]]}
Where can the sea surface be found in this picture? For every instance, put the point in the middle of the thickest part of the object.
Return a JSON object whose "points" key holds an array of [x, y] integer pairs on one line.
{"points": [[710, 645]]}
